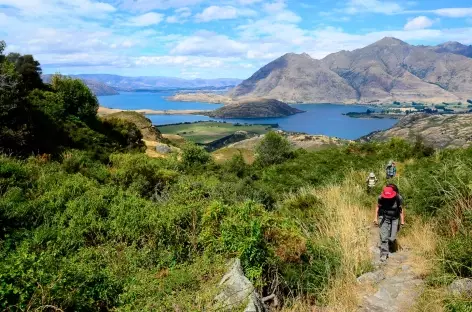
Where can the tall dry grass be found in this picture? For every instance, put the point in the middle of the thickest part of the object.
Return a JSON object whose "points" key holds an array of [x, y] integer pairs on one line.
{"points": [[346, 220]]}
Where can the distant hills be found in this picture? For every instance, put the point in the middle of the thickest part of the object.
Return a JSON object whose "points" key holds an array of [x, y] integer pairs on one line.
{"points": [[385, 71], [104, 84]]}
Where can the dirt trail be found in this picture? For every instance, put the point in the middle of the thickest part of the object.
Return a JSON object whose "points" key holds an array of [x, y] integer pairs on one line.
{"points": [[394, 285]]}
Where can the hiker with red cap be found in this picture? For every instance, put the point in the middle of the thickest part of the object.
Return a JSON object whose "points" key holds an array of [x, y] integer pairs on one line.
{"points": [[388, 215]]}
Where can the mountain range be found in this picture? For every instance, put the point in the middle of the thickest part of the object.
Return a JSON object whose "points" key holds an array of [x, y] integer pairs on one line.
{"points": [[105, 84], [385, 71]]}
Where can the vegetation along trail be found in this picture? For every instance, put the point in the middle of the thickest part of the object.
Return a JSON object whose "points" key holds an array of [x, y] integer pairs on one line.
{"points": [[90, 222]]}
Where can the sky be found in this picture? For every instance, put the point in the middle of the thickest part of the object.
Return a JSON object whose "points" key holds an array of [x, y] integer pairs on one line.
{"points": [[214, 39]]}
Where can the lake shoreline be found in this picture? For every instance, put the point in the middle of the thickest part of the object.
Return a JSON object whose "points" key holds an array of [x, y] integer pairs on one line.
{"points": [[318, 119], [103, 111]]}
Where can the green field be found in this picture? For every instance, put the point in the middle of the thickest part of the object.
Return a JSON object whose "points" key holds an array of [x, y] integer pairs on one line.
{"points": [[207, 132]]}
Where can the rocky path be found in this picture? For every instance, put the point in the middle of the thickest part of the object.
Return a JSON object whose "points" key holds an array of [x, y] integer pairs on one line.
{"points": [[393, 286]]}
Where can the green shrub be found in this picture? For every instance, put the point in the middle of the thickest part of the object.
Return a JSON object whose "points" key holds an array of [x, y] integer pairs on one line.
{"points": [[458, 255], [140, 174], [193, 155], [273, 149]]}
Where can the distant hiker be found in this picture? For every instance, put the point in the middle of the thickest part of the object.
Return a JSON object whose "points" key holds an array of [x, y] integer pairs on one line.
{"points": [[388, 213], [391, 169], [371, 181]]}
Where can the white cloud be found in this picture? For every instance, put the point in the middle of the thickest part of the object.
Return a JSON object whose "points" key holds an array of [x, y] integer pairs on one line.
{"points": [[419, 22], [248, 2], [147, 19], [275, 7], [454, 12], [207, 43], [287, 16], [88, 8], [180, 16], [223, 13], [149, 5], [372, 6], [277, 11], [193, 61]]}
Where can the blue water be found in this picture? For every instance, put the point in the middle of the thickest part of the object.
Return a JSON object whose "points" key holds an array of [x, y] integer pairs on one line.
{"points": [[327, 119], [150, 100]]}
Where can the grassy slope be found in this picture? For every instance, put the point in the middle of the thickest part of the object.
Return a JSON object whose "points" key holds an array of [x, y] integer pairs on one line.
{"points": [[206, 132]]}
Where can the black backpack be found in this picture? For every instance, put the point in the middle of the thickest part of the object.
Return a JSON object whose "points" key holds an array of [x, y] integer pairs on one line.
{"points": [[390, 207]]}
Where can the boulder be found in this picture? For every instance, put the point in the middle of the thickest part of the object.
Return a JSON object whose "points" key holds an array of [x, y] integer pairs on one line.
{"points": [[163, 149], [461, 287], [238, 291]]}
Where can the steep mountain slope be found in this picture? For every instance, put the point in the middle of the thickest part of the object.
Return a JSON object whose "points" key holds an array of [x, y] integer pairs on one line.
{"points": [[391, 69], [440, 131], [453, 47], [296, 78], [98, 88], [385, 71]]}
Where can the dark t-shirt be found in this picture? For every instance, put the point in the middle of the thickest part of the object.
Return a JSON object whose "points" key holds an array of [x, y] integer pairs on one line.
{"points": [[390, 207]]}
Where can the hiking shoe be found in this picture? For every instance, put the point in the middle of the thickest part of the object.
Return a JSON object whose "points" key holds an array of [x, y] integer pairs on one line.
{"points": [[383, 258]]}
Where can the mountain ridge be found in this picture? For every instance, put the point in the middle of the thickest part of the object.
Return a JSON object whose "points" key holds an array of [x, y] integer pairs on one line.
{"points": [[126, 83], [384, 71]]}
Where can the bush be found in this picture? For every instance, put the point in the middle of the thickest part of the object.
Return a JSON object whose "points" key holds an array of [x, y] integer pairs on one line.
{"points": [[141, 175], [193, 155], [273, 149]]}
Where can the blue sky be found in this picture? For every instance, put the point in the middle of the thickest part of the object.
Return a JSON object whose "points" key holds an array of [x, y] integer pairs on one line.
{"points": [[210, 39]]}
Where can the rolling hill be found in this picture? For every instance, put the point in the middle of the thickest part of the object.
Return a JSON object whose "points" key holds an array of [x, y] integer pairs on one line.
{"points": [[260, 108], [439, 131]]}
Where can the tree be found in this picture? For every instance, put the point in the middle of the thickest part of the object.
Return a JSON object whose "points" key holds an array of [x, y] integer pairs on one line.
{"points": [[273, 149], [50, 103], [29, 69], [14, 110], [193, 155], [78, 99], [3, 45]]}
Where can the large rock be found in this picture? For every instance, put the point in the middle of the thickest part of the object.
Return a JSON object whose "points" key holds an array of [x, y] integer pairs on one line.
{"points": [[163, 149], [461, 287], [238, 291]]}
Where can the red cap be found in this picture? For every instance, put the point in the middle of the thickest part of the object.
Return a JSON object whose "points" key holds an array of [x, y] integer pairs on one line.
{"points": [[388, 192]]}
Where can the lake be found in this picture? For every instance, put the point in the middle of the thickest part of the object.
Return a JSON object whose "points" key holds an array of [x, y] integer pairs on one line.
{"points": [[327, 119]]}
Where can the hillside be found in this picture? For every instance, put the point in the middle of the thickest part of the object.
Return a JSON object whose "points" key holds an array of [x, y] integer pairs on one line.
{"points": [[454, 47], [255, 109], [144, 124], [98, 88], [385, 71], [295, 78], [212, 98], [439, 131]]}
